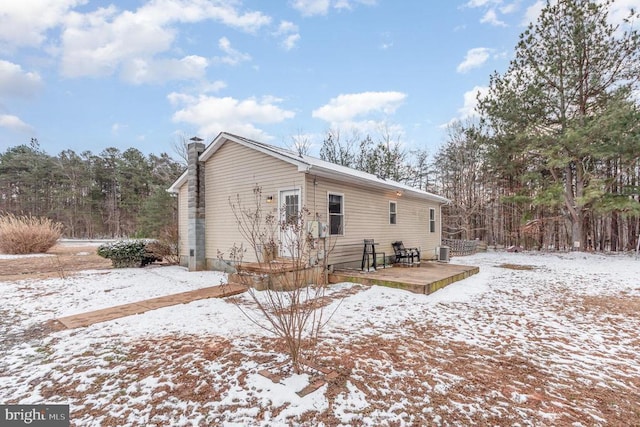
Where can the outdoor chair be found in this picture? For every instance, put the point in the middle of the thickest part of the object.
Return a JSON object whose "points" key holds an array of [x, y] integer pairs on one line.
{"points": [[369, 254], [406, 256]]}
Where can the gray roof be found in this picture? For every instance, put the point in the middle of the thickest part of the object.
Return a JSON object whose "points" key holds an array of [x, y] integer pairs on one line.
{"points": [[312, 165]]}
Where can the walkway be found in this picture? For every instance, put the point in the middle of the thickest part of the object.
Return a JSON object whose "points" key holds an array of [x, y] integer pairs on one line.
{"points": [[91, 317]]}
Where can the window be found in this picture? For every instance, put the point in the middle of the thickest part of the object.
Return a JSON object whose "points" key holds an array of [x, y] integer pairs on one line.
{"points": [[291, 209], [393, 212], [432, 220], [336, 214]]}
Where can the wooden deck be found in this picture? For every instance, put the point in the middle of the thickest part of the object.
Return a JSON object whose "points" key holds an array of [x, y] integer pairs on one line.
{"points": [[425, 279]]}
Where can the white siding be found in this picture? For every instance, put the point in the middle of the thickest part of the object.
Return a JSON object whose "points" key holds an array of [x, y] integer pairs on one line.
{"points": [[366, 212], [235, 170]]}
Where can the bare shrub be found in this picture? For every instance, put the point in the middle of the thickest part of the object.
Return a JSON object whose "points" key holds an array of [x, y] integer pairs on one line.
{"points": [[26, 234], [293, 300], [169, 241]]}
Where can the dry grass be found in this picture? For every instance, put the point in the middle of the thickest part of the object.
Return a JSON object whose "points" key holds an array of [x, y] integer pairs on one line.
{"points": [[516, 267], [26, 234], [63, 259]]}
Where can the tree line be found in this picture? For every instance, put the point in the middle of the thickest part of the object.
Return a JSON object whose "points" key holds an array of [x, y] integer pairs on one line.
{"points": [[553, 160], [111, 194]]}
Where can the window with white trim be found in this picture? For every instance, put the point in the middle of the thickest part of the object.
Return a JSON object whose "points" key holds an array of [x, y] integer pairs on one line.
{"points": [[393, 213], [336, 214], [432, 220]]}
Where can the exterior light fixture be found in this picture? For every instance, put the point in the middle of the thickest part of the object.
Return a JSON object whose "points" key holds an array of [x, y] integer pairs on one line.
{"points": [[269, 199]]}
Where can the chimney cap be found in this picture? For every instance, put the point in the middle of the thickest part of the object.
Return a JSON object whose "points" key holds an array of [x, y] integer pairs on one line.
{"points": [[196, 139]]}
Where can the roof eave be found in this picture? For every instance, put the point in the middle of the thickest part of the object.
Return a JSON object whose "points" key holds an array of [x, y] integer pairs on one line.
{"points": [[175, 187], [219, 140], [330, 173]]}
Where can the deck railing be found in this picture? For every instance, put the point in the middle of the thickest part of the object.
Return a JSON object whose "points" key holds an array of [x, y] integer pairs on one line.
{"points": [[461, 247]]}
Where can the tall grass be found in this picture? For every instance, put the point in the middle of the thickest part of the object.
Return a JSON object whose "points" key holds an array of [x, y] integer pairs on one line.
{"points": [[26, 234]]}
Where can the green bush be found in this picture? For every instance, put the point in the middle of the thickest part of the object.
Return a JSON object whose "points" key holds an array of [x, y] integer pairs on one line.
{"points": [[128, 253], [27, 234]]}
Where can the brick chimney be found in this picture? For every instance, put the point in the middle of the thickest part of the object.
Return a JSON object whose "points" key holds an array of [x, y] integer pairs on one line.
{"points": [[195, 205]]}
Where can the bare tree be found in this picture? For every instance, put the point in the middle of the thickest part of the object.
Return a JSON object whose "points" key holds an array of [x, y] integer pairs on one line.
{"points": [[300, 143], [179, 147], [292, 304], [340, 150]]}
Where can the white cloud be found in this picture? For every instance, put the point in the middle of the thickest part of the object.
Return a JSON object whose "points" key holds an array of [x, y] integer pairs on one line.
{"points": [[348, 4], [211, 87], [24, 23], [321, 7], [475, 58], [286, 27], [365, 113], [509, 8], [468, 109], [290, 32], [491, 18], [232, 57], [213, 115], [491, 7], [290, 41], [311, 7], [346, 107], [98, 43], [16, 82], [532, 12], [189, 11], [138, 71], [116, 127], [14, 123], [478, 3]]}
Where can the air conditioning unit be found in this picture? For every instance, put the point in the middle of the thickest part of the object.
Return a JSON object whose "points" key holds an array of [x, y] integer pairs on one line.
{"points": [[443, 254]]}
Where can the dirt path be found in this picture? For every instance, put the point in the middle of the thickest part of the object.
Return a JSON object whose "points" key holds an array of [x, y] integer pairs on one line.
{"points": [[60, 261]]}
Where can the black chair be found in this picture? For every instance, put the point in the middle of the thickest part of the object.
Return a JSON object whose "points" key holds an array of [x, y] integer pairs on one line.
{"points": [[369, 253], [404, 255]]}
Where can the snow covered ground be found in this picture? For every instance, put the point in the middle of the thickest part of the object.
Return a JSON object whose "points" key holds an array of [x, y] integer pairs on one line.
{"points": [[533, 339]]}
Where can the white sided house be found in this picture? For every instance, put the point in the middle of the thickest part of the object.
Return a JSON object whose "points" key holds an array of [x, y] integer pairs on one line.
{"points": [[346, 205]]}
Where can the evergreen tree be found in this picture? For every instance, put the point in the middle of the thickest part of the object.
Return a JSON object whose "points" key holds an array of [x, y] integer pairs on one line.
{"points": [[570, 67]]}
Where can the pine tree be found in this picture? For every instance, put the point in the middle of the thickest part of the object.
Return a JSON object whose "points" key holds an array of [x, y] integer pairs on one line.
{"points": [[571, 67]]}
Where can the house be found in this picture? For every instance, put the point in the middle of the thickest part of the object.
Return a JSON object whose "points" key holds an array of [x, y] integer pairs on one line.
{"points": [[348, 205]]}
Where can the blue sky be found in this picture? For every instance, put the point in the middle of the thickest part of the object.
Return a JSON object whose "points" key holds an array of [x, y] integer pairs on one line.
{"points": [[88, 75]]}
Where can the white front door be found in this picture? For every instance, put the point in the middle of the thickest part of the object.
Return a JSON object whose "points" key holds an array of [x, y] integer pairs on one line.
{"points": [[290, 220]]}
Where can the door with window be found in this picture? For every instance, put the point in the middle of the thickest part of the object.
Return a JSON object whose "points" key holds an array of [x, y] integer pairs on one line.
{"points": [[290, 220]]}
